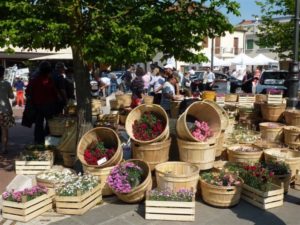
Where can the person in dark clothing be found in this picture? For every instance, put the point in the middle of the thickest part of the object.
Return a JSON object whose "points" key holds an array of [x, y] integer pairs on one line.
{"points": [[247, 82], [127, 78], [43, 94], [60, 85], [69, 83], [137, 88]]}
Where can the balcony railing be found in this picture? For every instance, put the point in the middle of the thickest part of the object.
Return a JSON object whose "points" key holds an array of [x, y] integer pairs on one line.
{"points": [[219, 51]]}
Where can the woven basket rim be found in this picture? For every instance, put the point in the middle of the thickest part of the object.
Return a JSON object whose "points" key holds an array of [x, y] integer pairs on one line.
{"points": [[193, 167]]}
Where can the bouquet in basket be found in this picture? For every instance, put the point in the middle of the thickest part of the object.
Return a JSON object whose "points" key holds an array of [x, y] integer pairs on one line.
{"points": [[97, 151], [148, 127], [183, 195], [201, 131], [26, 195], [278, 167], [221, 179], [124, 177]]}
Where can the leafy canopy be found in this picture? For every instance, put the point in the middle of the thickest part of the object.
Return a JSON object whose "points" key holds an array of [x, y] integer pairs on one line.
{"points": [[115, 31]]}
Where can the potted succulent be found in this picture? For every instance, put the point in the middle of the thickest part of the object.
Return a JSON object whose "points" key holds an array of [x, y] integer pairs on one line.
{"points": [[221, 189], [170, 202]]}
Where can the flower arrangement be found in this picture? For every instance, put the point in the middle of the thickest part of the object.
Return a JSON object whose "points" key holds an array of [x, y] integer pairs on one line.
{"points": [[26, 195], [221, 179], [278, 167], [183, 195], [78, 186], [96, 151], [124, 177], [201, 131], [40, 156], [57, 176], [256, 176], [148, 127]]}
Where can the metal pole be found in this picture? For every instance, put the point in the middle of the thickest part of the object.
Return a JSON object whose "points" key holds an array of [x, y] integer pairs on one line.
{"points": [[212, 54], [294, 67]]}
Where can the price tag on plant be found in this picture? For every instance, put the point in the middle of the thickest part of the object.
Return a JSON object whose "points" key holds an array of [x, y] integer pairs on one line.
{"points": [[101, 161]]}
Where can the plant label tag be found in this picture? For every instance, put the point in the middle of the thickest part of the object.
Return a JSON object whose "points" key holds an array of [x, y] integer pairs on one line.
{"points": [[101, 161]]}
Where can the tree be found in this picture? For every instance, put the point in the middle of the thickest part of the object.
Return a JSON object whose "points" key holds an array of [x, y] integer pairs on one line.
{"points": [[113, 31], [273, 34]]}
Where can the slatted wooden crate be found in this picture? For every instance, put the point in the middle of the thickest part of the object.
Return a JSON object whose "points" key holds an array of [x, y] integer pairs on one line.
{"points": [[24, 212], [246, 100], [170, 210], [78, 205], [264, 200], [220, 100], [33, 167], [274, 99]]}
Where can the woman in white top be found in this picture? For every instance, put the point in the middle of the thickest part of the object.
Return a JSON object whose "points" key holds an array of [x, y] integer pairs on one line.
{"points": [[157, 83], [6, 118]]}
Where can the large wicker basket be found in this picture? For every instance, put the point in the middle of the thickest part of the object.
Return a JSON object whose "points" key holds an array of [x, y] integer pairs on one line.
{"points": [[177, 175], [231, 98], [272, 112], [110, 139], [220, 196], [244, 157], [209, 95], [272, 132], [137, 113], [58, 125], [292, 136], [292, 117], [201, 111], [123, 100], [138, 193], [222, 113], [148, 99], [153, 154], [292, 158]]}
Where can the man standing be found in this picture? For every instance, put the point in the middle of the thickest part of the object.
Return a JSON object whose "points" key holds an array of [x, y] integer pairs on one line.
{"points": [[127, 78], [210, 79], [19, 86]]}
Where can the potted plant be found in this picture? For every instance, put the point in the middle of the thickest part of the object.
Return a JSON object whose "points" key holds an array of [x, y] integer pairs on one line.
{"points": [[53, 177], [258, 188], [221, 189], [130, 180], [178, 205], [26, 204], [79, 195], [282, 173]]}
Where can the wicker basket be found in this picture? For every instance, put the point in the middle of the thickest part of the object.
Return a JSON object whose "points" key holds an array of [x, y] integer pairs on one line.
{"points": [[153, 154], [231, 98], [292, 136], [260, 98], [290, 157], [244, 157], [201, 154], [96, 106], [219, 165], [220, 196], [148, 99], [110, 139], [292, 117], [209, 95], [69, 158], [220, 144], [175, 109], [177, 175], [123, 100], [201, 111], [272, 132], [136, 114], [285, 179], [138, 193], [272, 112], [58, 125], [222, 113]]}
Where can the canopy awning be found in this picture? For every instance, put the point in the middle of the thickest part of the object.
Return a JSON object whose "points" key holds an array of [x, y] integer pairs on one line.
{"points": [[62, 56]]}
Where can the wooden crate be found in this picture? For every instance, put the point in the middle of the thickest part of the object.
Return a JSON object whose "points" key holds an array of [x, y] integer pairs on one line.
{"points": [[32, 167], [274, 99], [246, 100], [26, 211], [170, 210], [264, 200], [220, 100], [78, 205]]}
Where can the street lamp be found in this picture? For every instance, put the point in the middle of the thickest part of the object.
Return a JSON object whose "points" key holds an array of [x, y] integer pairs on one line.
{"points": [[293, 82]]}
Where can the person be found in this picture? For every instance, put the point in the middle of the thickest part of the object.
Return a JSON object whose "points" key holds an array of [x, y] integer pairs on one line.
{"points": [[6, 113], [186, 84], [210, 79], [70, 84], [44, 97], [104, 85], [168, 93], [147, 80], [19, 86], [127, 78], [255, 82], [247, 82], [168, 69], [157, 82], [60, 84], [137, 88], [113, 83]]}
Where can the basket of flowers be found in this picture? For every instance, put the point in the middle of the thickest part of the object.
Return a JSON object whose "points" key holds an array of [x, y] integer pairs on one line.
{"points": [[78, 196], [130, 180], [147, 124], [170, 205], [99, 147], [258, 188], [221, 189], [26, 204]]}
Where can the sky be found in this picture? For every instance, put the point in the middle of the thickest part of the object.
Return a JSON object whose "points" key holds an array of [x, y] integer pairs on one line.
{"points": [[248, 8]]}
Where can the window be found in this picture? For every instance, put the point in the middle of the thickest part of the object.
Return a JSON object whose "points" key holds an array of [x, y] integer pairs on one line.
{"points": [[250, 44], [217, 45]]}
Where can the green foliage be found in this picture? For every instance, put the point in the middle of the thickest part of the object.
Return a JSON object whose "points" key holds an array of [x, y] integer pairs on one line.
{"points": [[275, 35]]}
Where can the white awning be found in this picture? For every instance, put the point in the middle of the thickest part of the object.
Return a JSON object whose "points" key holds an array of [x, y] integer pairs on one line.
{"points": [[62, 56], [264, 60], [242, 60]]}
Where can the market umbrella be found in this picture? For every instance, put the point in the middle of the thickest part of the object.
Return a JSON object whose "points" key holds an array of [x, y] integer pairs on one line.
{"points": [[242, 59], [264, 60]]}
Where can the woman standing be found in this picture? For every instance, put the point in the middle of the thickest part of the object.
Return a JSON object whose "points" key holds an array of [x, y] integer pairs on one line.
{"points": [[137, 88], [6, 118]]}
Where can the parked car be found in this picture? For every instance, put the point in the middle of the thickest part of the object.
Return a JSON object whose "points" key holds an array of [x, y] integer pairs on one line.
{"points": [[220, 85], [270, 79], [197, 81]]}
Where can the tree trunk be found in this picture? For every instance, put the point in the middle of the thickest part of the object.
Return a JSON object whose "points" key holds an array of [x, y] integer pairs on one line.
{"points": [[82, 83]]}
